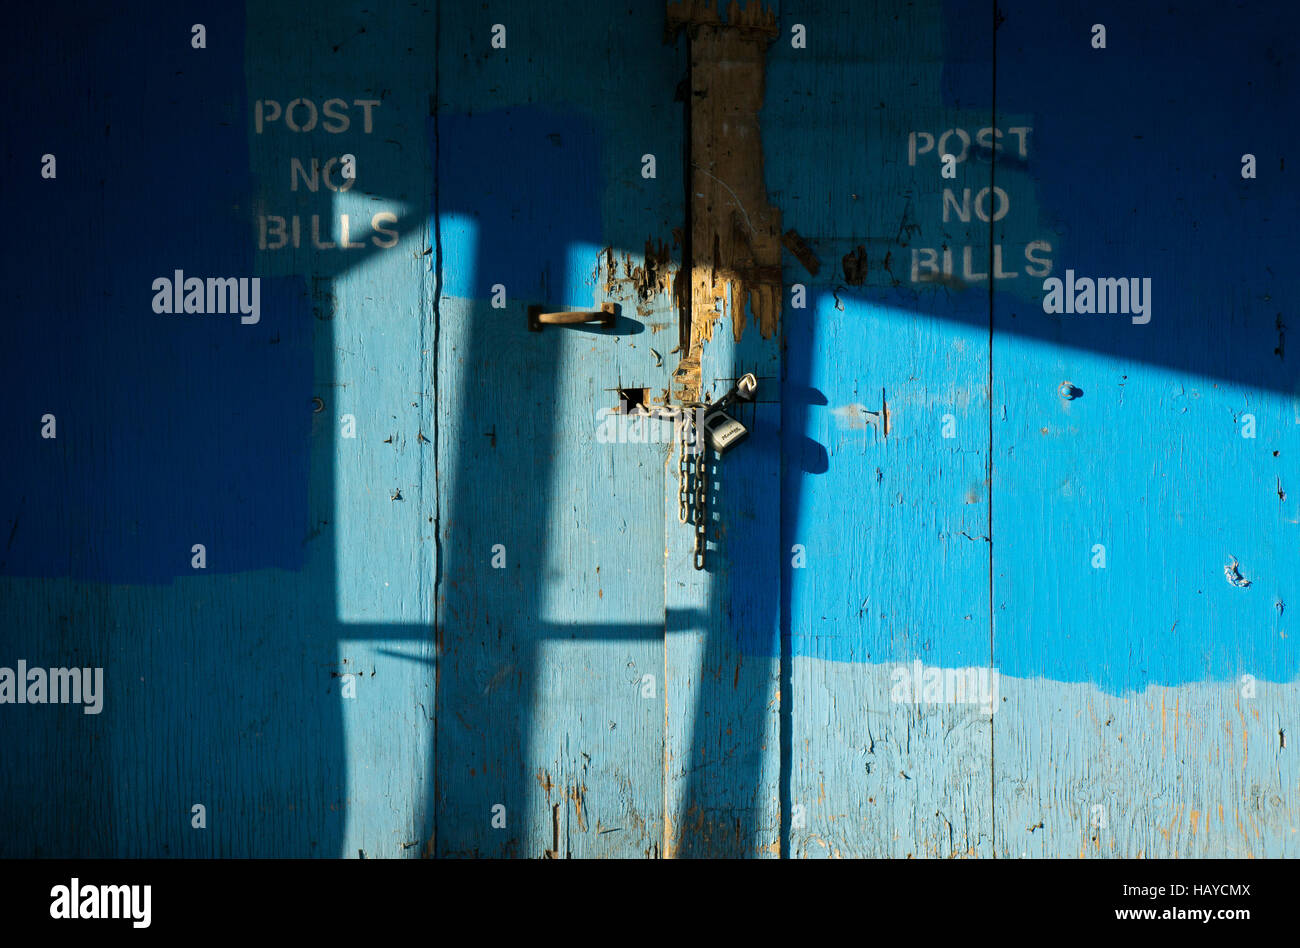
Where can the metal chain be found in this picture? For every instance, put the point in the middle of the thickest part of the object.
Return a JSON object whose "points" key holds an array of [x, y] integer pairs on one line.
{"points": [[693, 464], [683, 470], [692, 477], [692, 480], [701, 505]]}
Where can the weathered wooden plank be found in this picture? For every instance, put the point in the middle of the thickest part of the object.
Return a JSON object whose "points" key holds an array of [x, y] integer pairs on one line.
{"points": [[885, 430], [722, 656], [1134, 460], [369, 294], [545, 707], [612, 699], [1197, 770], [223, 682]]}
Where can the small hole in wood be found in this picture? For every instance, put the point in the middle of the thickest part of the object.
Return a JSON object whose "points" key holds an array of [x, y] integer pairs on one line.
{"points": [[632, 399]]}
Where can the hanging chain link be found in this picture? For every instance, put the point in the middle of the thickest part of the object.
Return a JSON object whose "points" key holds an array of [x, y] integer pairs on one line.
{"points": [[680, 429], [692, 478], [701, 503], [693, 460]]}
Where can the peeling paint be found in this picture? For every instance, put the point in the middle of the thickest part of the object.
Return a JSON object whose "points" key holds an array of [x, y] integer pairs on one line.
{"points": [[855, 266], [1234, 575], [735, 234], [851, 416], [656, 275]]}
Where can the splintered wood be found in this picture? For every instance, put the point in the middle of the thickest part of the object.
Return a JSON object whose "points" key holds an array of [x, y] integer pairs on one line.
{"points": [[735, 245]]}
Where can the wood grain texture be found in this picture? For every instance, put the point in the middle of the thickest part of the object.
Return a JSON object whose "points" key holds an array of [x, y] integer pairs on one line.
{"points": [[885, 520], [1196, 770], [544, 703], [372, 313], [1149, 462], [931, 471], [722, 656]]}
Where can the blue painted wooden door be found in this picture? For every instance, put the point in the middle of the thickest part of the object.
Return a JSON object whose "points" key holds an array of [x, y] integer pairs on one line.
{"points": [[597, 695], [551, 510], [983, 580]]}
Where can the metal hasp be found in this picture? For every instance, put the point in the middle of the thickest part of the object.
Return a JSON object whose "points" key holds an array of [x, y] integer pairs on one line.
{"points": [[606, 316]]}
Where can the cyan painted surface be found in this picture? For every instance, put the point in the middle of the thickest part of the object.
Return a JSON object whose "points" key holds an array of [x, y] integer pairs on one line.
{"points": [[1143, 178], [1151, 460], [1162, 748], [892, 528], [1121, 686]]}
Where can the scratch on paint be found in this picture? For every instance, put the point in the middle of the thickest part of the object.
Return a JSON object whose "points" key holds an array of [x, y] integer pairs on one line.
{"points": [[1233, 574], [502, 674], [577, 795], [802, 252], [879, 419]]}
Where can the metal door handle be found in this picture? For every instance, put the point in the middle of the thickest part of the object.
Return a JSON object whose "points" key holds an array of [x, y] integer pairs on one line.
{"points": [[606, 316]]}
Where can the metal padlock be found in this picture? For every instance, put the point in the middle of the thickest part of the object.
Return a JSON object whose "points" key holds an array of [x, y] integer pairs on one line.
{"points": [[722, 432]]}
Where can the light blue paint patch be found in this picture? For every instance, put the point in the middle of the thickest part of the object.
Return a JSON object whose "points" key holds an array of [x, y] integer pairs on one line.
{"points": [[551, 607], [583, 261]]}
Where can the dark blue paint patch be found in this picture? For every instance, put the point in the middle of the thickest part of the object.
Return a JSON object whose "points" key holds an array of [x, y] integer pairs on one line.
{"points": [[172, 430], [967, 80]]}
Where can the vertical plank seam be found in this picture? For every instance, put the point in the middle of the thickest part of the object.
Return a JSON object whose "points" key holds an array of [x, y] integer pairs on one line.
{"points": [[686, 300], [437, 422], [993, 812]]}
